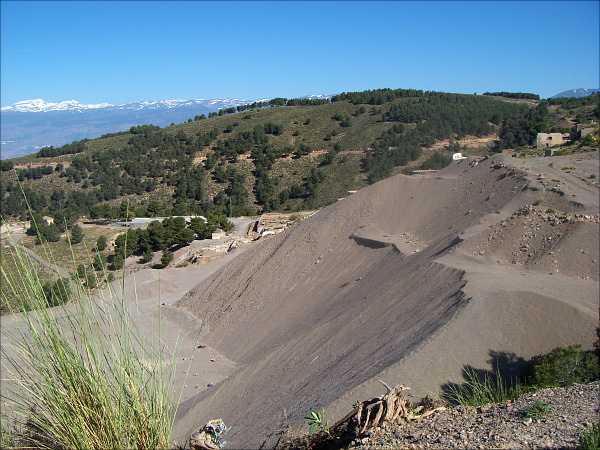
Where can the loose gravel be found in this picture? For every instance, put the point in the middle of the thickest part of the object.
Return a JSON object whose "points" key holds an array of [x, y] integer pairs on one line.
{"points": [[572, 411]]}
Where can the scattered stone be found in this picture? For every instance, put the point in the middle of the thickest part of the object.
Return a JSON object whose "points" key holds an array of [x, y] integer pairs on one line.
{"points": [[502, 425]]}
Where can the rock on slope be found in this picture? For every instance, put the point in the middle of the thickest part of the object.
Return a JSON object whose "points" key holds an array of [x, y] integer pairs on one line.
{"points": [[394, 283]]}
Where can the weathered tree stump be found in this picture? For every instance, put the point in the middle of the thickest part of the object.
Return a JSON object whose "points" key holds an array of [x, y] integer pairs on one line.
{"points": [[393, 407]]}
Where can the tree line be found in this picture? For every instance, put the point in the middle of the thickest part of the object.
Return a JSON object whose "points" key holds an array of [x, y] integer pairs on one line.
{"points": [[522, 95], [167, 235]]}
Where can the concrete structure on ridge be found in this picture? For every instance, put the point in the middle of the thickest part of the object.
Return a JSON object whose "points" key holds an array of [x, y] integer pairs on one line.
{"points": [[545, 140]]}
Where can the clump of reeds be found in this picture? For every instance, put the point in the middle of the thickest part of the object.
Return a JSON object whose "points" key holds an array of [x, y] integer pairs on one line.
{"points": [[80, 375]]}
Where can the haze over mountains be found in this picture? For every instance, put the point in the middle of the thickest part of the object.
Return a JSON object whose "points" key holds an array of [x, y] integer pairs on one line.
{"points": [[39, 105]]}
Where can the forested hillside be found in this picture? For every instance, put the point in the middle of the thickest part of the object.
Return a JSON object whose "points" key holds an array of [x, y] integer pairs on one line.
{"points": [[281, 155]]}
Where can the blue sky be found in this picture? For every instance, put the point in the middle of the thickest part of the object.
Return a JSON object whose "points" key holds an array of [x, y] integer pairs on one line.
{"points": [[116, 52]]}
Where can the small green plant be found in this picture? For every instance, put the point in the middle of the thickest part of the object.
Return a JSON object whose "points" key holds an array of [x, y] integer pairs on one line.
{"points": [[538, 410], [592, 176], [550, 211], [316, 422], [590, 440]]}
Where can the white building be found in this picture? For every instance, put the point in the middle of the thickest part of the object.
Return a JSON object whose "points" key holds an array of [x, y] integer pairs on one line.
{"points": [[545, 140]]}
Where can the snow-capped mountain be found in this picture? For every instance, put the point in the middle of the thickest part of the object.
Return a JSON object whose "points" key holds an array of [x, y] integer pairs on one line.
{"points": [[39, 105], [214, 104], [318, 96], [31, 124], [576, 93]]}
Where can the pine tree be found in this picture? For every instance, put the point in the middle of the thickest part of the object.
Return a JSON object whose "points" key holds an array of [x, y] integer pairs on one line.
{"points": [[76, 235], [166, 258], [101, 243]]}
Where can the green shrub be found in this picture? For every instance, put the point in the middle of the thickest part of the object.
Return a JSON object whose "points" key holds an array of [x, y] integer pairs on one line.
{"points": [[90, 280], [590, 440], [80, 271], [77, 235], [148, 255], [538, 410], [100, 261], [101, 243], [56, 293], [563, 366], [437, 161], [118, 262]]}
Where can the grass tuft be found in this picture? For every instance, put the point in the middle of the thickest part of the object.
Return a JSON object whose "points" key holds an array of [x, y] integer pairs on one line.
{"points": [[80, 375], [480, 390]]}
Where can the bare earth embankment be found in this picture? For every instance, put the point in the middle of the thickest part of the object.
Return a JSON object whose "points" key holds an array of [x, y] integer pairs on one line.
{"points": [[406, 281]]}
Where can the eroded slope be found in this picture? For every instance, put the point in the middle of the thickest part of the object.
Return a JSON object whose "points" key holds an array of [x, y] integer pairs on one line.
{"points": [[318, 312]]}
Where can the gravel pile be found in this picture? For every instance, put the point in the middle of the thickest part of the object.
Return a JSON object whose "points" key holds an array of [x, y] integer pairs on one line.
{"points": [[409, 280], [570, 411]]}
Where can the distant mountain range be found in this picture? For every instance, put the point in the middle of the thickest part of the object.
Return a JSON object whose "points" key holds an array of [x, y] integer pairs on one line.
{"points": [[581, 92], [39, 105], [30, 125]]}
